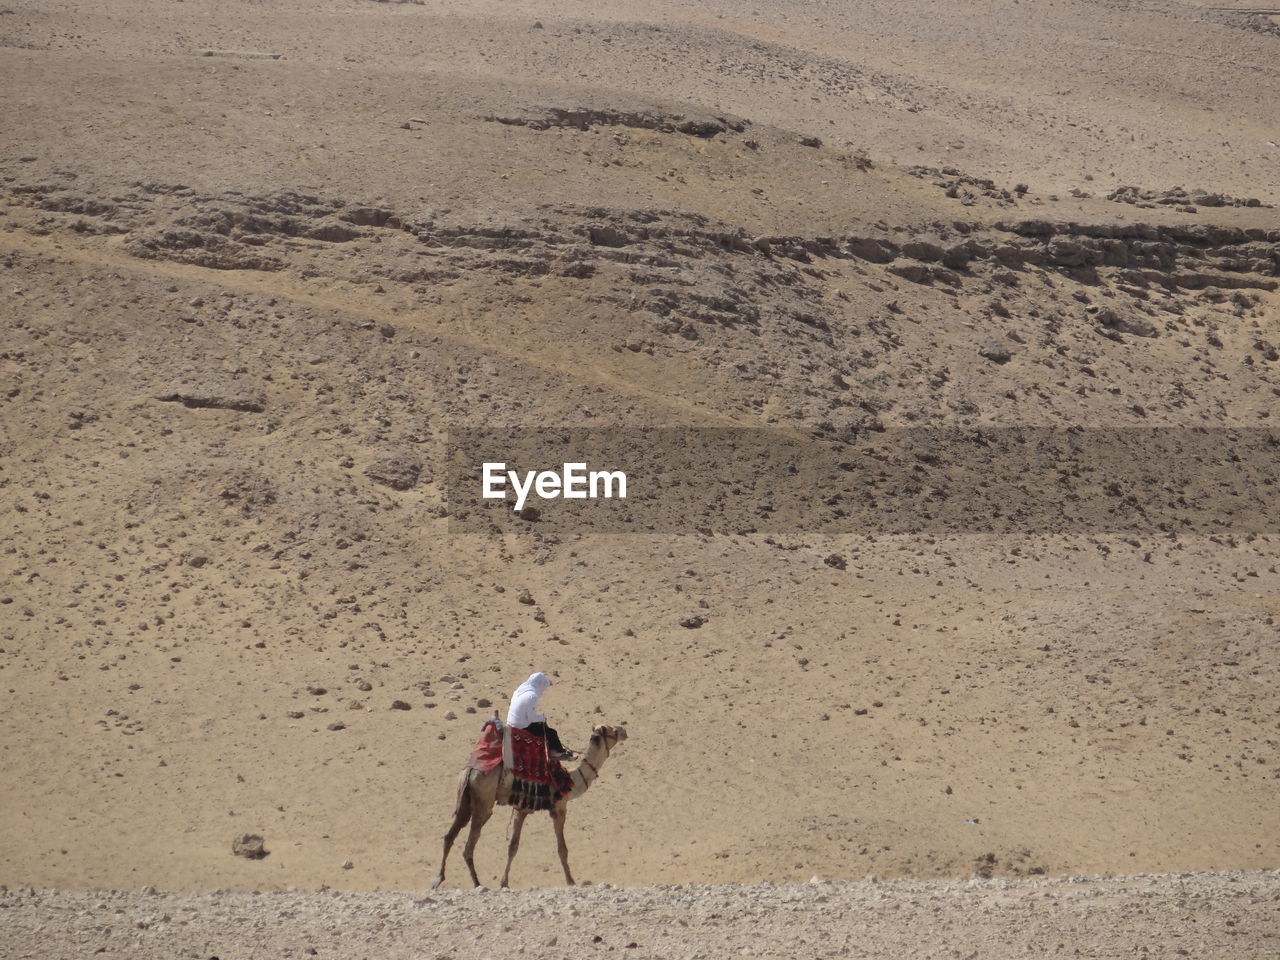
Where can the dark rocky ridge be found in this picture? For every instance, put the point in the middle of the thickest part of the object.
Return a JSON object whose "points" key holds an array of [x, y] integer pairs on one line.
{"points": [[229, 232]]}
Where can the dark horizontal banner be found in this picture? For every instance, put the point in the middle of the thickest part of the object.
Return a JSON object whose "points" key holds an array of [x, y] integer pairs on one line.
{"points": [[730, 480]]}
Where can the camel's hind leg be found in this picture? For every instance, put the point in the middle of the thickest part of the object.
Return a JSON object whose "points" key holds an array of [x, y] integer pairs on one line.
{"points": [[557, 818], [480, 814], [514, 845], [461, 814]]}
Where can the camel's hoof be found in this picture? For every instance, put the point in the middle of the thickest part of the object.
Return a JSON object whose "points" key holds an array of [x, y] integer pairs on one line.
{"points": [[436, 882]]}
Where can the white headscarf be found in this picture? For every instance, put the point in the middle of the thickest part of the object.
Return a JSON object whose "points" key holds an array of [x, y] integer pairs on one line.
{"points": [[524, 702]]}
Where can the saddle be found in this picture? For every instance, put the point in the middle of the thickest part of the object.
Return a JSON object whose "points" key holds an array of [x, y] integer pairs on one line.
{"points": [[531, 778]]}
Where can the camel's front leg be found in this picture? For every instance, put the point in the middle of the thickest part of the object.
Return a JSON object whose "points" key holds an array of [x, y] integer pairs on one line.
{"points": [[479, 817], [514, 845], [557, 818]]}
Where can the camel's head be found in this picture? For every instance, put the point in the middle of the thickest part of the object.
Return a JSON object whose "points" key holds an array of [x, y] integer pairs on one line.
{"points": [[608, 737]]}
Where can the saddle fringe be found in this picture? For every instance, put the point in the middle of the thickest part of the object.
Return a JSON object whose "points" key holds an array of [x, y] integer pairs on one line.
{"points": [[531, 796]]}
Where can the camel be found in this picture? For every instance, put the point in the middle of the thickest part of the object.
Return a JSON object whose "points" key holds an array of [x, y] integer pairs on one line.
{"points": [[478, 792]]}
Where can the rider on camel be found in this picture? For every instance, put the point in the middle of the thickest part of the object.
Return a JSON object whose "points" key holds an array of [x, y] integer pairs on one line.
{"points": [[524, 714]]}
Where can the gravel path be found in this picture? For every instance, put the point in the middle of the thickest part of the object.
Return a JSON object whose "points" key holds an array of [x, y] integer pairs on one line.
{"points": [[1169, 915]]}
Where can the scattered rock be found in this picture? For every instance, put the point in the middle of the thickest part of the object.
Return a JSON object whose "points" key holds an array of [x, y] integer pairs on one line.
{"points": [[996, 352], [78, 418], [369, 217], [249, 845], [606, 236], [1135, 325], [584, 119], [398, 471], [213, 391], [1179, 197], [911, 270]]}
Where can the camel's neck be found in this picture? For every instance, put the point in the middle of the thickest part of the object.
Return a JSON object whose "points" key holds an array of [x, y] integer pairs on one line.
{"points": [[589, 768]]}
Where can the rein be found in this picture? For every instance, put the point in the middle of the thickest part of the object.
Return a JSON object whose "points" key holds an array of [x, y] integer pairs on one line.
{"points": [[587, 763]]}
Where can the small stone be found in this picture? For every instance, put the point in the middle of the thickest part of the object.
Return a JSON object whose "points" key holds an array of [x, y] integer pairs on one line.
{"points": [[347, 864], [337, 725], [996, 352], [399, 705], [248, 845]]}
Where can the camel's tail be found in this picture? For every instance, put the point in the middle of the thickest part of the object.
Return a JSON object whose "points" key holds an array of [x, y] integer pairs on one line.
{"points": [[462, 807]]}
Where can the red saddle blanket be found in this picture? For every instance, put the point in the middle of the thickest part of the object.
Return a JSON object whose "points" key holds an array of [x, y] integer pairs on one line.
{"points": [[487, 753], [538, 779]]}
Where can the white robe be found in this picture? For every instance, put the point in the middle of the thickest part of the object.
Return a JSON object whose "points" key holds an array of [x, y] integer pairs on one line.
{"points": [[524, 702]]}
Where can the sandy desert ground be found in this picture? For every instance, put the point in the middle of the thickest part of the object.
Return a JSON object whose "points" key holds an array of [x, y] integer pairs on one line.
{"points": [[258, 260]]}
